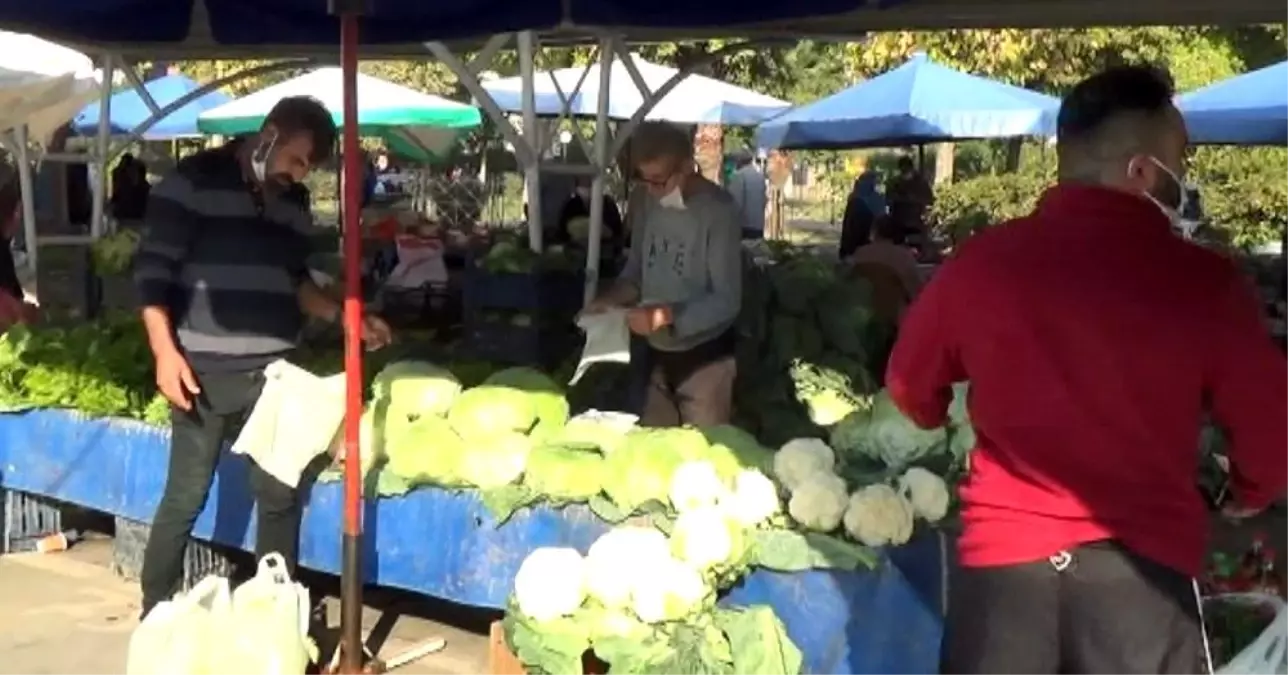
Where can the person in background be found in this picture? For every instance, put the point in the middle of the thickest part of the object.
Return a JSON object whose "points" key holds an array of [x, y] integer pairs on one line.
{"points": [[864, 205], [222, 279], [747, 186], [1107, 339], [129, 188], [910, 196], [891, 267], [13, 305], [682, 281], [578, 206]]}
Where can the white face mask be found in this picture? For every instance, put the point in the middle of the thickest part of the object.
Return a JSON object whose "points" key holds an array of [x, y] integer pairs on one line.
{"points": [[259, 158], [673, 199], [1173, 213]]}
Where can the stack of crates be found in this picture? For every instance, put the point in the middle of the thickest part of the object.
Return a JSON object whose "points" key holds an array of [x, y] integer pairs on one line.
{"points": [[521, 319], [201, 559], [27, 516]]}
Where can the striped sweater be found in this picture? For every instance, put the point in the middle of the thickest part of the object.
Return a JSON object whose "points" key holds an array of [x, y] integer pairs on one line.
{"points": [[225, 265]]}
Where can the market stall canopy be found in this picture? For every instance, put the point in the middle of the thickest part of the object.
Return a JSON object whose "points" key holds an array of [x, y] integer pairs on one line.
{"points": [[42, 84], [695, 100], [157, 29], [415, 124], [129, 110], [1248, 109], [918, 102]]}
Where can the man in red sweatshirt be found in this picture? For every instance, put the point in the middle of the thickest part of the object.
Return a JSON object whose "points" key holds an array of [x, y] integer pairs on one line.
{"points": [[1094, 340]]}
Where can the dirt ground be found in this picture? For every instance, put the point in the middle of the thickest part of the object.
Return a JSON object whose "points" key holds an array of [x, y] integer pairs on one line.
{"points": [[68, 613]]}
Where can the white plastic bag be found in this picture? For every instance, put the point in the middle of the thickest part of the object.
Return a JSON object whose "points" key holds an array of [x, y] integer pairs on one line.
{"points": [[1268, 654], [270, 615], [295, 419], [183, 636], [608, 340]]}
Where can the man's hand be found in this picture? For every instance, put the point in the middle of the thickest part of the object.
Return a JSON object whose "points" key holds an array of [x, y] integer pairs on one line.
{"points": [[599, 305], [649, 319], [375, 332], [175, 380]]}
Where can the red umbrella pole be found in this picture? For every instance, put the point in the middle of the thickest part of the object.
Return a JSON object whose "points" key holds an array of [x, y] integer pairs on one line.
{"points": [[351, 652]]}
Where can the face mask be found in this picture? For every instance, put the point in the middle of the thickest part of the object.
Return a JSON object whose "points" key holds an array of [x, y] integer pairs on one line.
{"points": [[259, 158], [1172, 211], [673, 199]]}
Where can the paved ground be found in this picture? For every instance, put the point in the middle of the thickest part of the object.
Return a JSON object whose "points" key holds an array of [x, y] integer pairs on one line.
{"points": [[68, 613]]}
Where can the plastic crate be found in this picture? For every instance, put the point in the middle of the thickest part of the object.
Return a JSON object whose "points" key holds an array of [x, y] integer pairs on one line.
{"points": [[200, 561], [555, 291], [542, 346], [26, 516]]}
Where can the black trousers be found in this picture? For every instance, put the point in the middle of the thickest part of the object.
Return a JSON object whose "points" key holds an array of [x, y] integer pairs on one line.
{"points": [[1101, 609], [196, 443]]}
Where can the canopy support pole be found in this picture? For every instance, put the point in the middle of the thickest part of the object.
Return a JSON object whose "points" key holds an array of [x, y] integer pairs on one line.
{"points": [[531, 172], [98, 223], [601, 162], [27, 191]]}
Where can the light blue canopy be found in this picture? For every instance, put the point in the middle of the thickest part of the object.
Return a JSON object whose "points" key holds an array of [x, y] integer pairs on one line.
{"points": [[129, 110], [695, 100], [1248, 109], [918, 102]]}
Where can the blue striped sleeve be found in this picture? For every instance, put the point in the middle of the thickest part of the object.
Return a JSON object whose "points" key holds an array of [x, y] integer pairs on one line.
{"points": [[168, 227]]}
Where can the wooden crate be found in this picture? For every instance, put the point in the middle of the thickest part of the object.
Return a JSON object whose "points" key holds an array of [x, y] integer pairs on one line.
{"points": [[501, 661]]}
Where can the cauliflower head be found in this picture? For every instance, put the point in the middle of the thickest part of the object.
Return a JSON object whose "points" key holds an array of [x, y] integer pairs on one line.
{"points": [[926, 492], [619, 558], [706, 538], [819, 502], [877, 515], [670, 592], [801, 458], [754, 499], [696, 484], [551, 583]]}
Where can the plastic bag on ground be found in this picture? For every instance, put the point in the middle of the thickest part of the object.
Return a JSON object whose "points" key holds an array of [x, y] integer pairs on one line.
{"points": [[297, 416], [608, 340], [184, 636], [271, 621], [1268, 654]]}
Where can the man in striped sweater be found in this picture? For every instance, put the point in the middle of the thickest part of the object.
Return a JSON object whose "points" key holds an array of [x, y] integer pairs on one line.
{"points": [[224, 289]]}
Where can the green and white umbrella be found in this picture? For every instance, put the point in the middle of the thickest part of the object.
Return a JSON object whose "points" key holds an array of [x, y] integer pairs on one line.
{"points": [[418, 125]]}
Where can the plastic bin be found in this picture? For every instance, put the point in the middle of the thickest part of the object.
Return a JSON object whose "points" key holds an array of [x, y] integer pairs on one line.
{"points": [[555, 291], [502, 342], [25, 516], [199, 561]]}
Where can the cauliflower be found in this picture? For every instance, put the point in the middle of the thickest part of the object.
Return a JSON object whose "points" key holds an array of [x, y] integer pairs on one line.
{"points": [[551, 583], [619, 558], [754, 499], [696, 485], [877, 516], [926, 492], [670, 591], [801, 458], [819, 502], [705, 538]]}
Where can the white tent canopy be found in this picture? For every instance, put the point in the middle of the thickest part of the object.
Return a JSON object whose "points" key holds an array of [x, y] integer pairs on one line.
{"points": [[695, 100], [42, 84]]}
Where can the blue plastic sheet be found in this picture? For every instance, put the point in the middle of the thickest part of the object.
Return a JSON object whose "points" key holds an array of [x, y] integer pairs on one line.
{"points": [[445, 544]]}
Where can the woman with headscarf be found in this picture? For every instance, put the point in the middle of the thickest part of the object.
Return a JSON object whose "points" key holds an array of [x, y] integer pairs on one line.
{"points": [[864, 205]]}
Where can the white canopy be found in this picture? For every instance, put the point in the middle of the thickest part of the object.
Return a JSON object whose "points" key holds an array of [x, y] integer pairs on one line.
{"points": [[42, 84]]}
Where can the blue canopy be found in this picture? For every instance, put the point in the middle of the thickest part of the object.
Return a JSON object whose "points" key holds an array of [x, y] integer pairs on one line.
{"points": [[1248, 109], [918, 102], [307, 22], [129, 110]]}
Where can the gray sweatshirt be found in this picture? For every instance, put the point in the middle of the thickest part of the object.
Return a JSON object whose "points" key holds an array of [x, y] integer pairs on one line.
{"points": [[690, 259]]}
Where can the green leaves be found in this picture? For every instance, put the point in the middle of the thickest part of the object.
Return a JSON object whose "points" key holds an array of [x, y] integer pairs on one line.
{"points": [[554, 647], [759, 642], [502, 502], [791, 551]]}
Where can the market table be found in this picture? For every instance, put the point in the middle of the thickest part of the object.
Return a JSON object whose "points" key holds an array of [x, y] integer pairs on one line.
{"points": [[445, 544]]}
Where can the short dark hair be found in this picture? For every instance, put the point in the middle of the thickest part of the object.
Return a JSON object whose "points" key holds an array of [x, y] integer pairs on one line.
{"points": [[1097, 100], [306, 115], [653, 140]]}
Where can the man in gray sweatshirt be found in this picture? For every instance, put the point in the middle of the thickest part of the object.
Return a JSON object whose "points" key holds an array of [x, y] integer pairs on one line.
{"points": [[682, 280]]}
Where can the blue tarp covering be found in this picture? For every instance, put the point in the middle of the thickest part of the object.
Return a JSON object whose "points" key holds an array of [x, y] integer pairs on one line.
{"points": [[128, 110], [445, 544], [299, 22], [918, 102], [1248, 109]]}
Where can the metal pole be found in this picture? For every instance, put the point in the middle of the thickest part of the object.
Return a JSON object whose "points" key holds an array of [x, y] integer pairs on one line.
{"points": [[601, 167], [531, 172], [351, 652], [99, 185], [28, 206]]}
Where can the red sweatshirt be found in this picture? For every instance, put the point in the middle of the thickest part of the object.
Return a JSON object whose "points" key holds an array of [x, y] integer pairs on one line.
{"points": [[1094, 340]]}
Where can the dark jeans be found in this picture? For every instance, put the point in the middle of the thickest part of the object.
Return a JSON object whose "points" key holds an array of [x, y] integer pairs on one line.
{"points": [[1107, 611], [693, 387], [196, 443]]}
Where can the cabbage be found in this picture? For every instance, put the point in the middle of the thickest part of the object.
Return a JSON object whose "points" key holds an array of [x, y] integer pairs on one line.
{"points": [[886, 436], [564, 473], [732, 450], [378, 431], [483, 412], [498, 461], [606, 431], [416, 388], [641, 470], [547, 397], [427, 451]]}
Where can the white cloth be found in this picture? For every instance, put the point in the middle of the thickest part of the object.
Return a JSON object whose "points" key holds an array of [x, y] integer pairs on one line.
{"points": [[608, 340]]}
